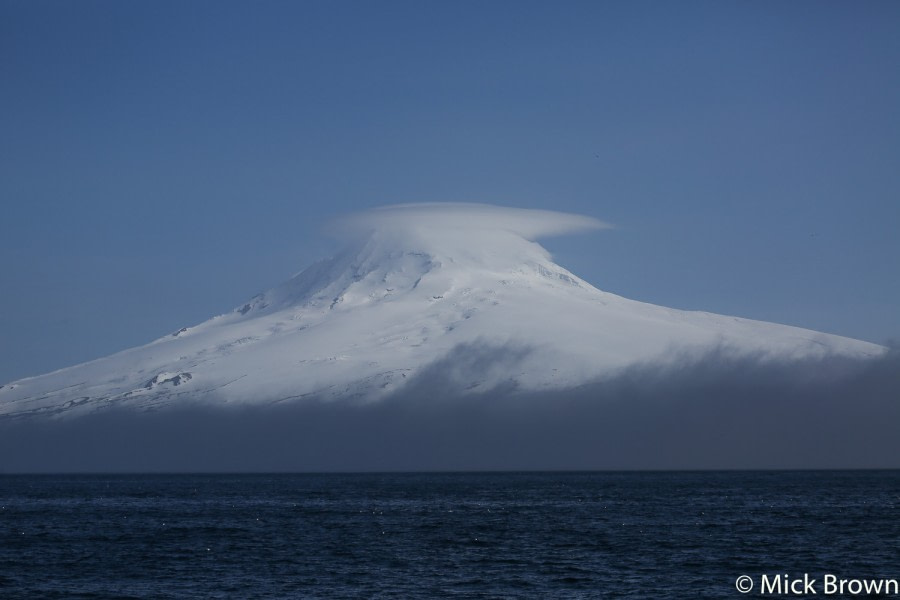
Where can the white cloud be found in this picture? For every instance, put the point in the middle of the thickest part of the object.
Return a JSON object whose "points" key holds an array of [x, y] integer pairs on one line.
{"points": [[530, 224]]}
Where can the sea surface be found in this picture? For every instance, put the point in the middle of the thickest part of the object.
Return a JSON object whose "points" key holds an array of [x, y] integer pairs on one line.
{"points": [[439, 535]]}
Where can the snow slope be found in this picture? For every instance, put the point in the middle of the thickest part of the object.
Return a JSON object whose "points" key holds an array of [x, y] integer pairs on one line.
{"points": [[416, 282]]}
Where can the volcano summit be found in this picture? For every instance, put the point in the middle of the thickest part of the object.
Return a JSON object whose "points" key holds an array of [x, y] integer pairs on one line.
{"points": [[415, 284]]}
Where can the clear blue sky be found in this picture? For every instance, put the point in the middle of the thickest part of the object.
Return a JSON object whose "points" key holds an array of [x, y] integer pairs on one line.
{"points": [[160, 162]]}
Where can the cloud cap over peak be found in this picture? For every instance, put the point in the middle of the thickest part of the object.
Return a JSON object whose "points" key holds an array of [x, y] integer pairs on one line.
{"points": [[530, 224]]}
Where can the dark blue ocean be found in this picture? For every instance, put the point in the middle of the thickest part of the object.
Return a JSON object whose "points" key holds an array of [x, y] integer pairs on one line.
{"points": [[486, 535]]}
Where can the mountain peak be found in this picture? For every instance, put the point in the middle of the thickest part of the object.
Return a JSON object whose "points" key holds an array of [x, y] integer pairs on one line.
{"points": [[396, 249]]}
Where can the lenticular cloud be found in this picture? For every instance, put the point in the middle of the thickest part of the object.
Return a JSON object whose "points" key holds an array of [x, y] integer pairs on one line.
{"points": [[530, 224]]}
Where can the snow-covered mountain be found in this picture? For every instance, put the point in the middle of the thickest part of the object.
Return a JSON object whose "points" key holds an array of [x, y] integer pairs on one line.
{"points": [[417, 282]]}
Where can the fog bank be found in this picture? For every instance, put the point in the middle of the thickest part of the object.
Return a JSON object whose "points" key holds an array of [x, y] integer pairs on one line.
{"points": [[713, 412]]}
